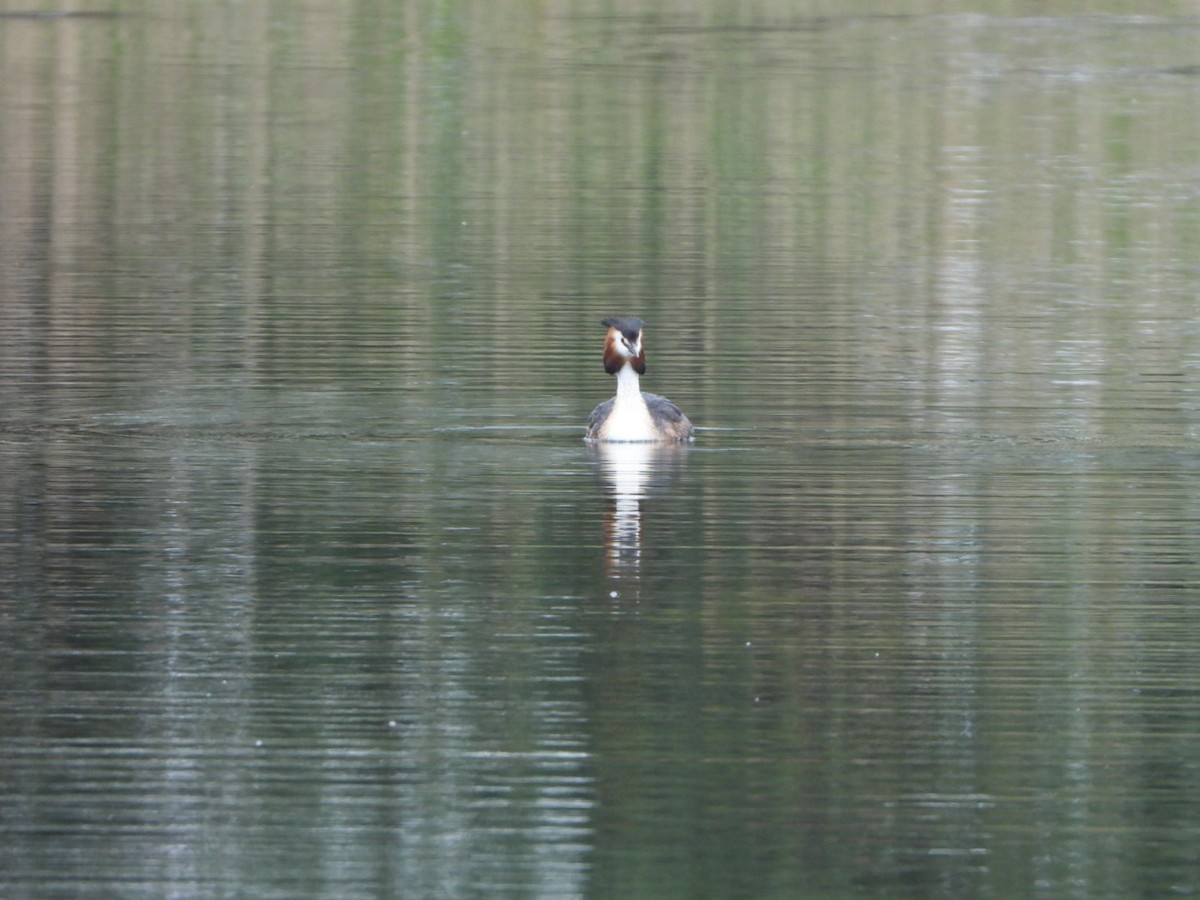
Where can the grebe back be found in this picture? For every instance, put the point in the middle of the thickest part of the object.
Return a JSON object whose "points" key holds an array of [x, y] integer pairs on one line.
{"points": [[633, 414]]}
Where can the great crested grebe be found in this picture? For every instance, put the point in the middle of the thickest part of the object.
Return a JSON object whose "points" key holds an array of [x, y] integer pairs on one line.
{"points": [[633, 415]]}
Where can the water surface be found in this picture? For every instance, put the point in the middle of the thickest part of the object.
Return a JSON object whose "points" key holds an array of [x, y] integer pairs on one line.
{"points": [[310, 586]]}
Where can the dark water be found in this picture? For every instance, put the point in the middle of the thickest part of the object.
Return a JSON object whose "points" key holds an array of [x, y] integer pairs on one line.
{"points": [[311, 588]]}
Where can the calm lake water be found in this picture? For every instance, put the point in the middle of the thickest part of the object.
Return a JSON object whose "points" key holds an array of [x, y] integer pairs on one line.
{"points": [[309, 586]]}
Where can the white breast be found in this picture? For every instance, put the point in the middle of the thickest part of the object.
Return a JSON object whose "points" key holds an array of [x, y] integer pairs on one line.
{"points": [[629, 420]]}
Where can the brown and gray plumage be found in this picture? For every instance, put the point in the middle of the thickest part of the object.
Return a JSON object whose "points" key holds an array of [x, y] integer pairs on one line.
{"points": [[633, 414]]}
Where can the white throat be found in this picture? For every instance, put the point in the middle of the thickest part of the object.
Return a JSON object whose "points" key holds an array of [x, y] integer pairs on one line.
{"points": [[630, 419]]}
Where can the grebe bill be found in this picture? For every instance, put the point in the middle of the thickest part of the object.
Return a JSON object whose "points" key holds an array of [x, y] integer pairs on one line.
{"points": [[633, 415]]}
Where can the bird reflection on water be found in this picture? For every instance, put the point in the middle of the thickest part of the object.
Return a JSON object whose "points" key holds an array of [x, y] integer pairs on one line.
{"points": [[633, 473]]}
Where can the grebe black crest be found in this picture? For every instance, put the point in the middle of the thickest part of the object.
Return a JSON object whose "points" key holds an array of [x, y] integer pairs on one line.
{"points": [[633, 414]]}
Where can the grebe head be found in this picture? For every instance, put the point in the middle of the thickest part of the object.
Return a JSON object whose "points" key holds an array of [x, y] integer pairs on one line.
{"points": [[623, 344]]}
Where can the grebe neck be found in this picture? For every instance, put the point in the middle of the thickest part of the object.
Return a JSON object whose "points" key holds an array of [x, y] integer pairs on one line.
{"points": [[628, 386], [629, 419]]}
